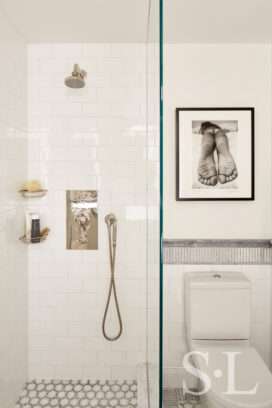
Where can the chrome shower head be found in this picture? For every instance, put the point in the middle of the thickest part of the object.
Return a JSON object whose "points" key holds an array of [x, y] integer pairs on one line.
{"points": [[77, 79]]}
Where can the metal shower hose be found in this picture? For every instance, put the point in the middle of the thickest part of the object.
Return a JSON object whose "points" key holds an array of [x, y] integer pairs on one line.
{"points": [[112, 232]]}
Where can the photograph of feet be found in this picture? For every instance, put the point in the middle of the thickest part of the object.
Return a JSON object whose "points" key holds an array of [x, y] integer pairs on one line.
{"points": [[215, 149], [215, 153]]}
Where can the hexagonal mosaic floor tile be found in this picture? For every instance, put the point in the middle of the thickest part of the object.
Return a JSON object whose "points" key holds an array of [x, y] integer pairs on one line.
{"points": [[78, 394]]}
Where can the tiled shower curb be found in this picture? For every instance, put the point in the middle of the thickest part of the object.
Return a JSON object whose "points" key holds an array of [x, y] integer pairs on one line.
{"points": [[217, 251]]}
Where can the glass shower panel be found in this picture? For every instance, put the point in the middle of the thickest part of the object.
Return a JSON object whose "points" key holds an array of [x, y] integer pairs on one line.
{"points": [[153, 203]]}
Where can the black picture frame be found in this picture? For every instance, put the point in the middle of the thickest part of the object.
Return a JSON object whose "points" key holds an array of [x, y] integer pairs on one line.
{"points": [[252, 139]]}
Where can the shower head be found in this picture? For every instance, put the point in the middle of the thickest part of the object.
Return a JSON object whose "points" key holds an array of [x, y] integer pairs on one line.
{"points": [[77, 79]]}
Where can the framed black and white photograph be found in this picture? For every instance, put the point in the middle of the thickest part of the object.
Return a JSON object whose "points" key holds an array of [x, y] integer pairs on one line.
{"points": [[214, 154]]}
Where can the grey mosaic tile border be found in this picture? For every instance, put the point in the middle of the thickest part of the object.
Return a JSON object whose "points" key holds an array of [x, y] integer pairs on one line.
{"points": [[226, 243], [217, 252]]}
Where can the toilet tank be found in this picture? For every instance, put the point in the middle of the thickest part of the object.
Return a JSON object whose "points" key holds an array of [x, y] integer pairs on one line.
{"points": [[217, 306]]}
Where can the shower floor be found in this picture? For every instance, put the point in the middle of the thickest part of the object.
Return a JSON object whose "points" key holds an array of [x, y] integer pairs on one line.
{"points": [[78, 394], [175, 398]]}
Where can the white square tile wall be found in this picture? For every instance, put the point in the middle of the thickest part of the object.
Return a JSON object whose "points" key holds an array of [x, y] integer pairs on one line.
{"points": [[90, 138], [175, 345], [13, 175]]}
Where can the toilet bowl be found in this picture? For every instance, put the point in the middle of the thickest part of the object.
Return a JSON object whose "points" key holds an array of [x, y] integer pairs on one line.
{"points": [[217, 320]]}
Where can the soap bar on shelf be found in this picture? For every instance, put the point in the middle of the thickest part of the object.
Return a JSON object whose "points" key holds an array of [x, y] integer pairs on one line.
{"points": [[33, 185]]}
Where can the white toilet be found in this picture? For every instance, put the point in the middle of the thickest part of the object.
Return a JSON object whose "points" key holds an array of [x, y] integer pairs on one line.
{"points": [[218, 319]]}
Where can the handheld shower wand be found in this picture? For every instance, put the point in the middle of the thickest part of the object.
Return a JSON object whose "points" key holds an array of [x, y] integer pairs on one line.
{"points": [[111, 222]]}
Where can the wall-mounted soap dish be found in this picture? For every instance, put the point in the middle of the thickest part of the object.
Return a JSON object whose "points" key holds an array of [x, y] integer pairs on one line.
{"points": [[33, 194], [37, 240], [28, 241]]}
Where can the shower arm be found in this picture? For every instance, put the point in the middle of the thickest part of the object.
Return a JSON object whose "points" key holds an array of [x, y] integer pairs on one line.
{"points": [[77, 71]]}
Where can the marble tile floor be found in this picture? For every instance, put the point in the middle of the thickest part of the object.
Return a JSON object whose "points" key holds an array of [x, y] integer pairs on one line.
{"points": [[175, 398], [78, 394]]}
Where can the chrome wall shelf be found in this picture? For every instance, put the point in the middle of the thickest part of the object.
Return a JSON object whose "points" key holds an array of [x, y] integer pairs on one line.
{"points": [[33, 194]]}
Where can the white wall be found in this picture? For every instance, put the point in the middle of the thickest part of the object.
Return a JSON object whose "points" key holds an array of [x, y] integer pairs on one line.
{"points": [[217, 76], [90, 138], [13, 254]]}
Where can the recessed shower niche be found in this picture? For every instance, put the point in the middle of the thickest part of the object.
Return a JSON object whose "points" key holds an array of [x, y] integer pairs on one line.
{"points": [[81, 219]]}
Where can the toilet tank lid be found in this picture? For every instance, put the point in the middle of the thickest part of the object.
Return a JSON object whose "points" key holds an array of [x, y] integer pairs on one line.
{"points": [[217, 280]]}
